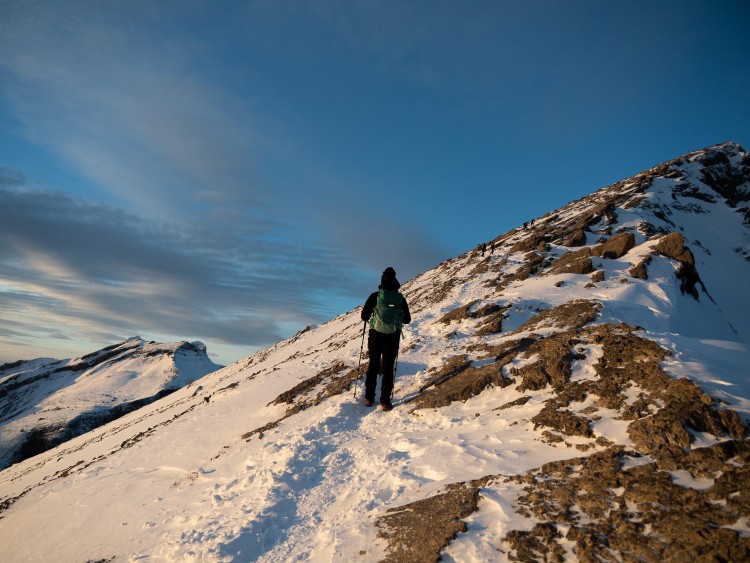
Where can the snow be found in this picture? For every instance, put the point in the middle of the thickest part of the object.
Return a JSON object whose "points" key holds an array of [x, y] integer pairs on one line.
{"points": [[51, 394], [178, 480]]}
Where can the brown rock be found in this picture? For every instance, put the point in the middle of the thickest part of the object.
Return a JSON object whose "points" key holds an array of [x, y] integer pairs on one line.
{"points": [[578, 238], [578, 262], [617, 245], [673, 246], [639, 271], [420, 530]]}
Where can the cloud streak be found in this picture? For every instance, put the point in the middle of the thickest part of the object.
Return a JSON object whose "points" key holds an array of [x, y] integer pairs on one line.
{"points": [[98, 270]]}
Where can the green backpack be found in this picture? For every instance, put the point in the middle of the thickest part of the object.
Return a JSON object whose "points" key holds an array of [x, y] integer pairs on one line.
{"points": [[386, 317]]}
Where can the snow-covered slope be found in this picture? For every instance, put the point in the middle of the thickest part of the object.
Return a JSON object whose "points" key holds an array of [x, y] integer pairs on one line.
{"points": [[45, 402], [580, 392]]}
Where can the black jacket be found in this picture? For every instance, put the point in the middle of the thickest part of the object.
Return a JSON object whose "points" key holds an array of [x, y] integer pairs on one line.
{"points": [[372, 301]]}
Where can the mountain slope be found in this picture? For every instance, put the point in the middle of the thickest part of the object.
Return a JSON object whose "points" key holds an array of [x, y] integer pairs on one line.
{"points": [[46, 402], [579, 392]]}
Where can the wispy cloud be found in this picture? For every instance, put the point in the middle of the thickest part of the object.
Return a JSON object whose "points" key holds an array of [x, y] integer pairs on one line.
{"points": [[182, 234], [235, 171], [97, 270], [126, 108]]}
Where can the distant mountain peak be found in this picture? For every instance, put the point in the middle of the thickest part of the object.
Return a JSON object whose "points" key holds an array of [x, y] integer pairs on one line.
{"points": [[47, 402]]}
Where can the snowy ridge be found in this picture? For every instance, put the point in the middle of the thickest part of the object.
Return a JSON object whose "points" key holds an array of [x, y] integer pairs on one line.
{"points": [[562, 357], [46, 402]]}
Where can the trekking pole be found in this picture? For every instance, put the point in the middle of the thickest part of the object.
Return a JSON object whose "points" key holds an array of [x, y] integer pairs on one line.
{"points": [[359, 367], [395, 365]]}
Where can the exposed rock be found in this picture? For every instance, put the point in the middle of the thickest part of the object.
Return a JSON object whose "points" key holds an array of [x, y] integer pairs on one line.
{"points": [[573, 314], [517, 403], [689, 279], [562, 420], [616, 246], [493, 323], [553, 363], [597, 276], [533, 261], [459, 380], [416, 532], [640, 270], [692, 191], [673, 246], [457, 314], [537, 240], [611, 512], [578, 238], [538, 544], [330, 381], [471, 311], [578, 262], [686, 407], [724, 178]]}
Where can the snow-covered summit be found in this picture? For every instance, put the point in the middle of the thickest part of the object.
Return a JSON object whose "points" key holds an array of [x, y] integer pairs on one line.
{"points": [[578, 391], [45, 402]]}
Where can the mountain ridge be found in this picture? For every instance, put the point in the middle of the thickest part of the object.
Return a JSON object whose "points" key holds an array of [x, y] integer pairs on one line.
{"points": [[46, 402], [575, 393]]}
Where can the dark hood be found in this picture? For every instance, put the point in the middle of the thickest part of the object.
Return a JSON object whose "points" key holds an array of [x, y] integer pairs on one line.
{"points": [[388, 280]]}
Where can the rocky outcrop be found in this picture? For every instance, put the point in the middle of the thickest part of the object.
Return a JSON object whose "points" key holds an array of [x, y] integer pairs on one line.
{"points": [[730, 181], [616, 246], [611, 512], [673, 246], [417, 532], [619, 503], [578, 262]]}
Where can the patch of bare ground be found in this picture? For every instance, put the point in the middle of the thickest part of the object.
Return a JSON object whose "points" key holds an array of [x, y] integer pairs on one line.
{"points": [[573, 314], [533, 263], [613, 512], [620, 503], [470, 311], [459, 380], [492, 316], [639, 514], [333, 380], [418, 531]]}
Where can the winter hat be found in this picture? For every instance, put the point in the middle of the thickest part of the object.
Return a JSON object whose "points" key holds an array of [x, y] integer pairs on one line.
{"points": [[388, 279]]}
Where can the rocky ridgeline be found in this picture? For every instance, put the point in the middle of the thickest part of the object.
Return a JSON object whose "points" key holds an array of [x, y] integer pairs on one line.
{"points": [[618, 502]]}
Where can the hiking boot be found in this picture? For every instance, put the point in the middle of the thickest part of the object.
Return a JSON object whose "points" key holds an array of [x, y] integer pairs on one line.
{"points": [[386, 406], [368, 403]]}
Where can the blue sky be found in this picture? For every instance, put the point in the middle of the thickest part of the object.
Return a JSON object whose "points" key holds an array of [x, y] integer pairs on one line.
{"points": [[233, 171]]}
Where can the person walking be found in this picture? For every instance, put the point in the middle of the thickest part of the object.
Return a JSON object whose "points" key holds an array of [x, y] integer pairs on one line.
{"points": [[387, 311]]}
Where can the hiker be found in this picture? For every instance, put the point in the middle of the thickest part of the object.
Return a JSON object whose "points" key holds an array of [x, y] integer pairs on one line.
{"points": [[387, 311]]}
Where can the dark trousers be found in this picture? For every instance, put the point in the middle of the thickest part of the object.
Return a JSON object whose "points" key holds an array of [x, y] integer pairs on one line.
{"points": [[382, 350]]}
